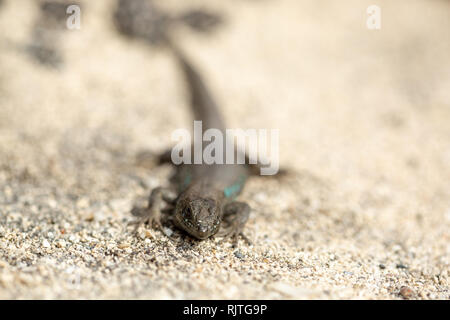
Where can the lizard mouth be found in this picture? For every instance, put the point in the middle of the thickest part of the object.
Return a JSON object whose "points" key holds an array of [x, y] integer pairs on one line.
{"points": [[201, 235], [196, 229], [203, 232]]}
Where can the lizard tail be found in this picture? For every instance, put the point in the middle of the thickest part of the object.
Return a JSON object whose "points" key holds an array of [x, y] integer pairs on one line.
{"points": [[202, 102]]}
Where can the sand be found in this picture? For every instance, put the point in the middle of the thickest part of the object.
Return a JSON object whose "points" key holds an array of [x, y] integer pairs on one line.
{"points": [[364, 119]]}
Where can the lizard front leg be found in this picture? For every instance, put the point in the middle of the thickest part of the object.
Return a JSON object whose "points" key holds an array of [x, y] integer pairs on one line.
{"points": [[157, 200], [235, 216]]}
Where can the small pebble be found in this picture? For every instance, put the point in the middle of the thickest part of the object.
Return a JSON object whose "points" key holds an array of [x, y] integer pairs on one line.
{"points": [[406, 292], [168, 232], [45, 243], [123, 245], [148, 234], [89, 216], [238, 255], [61, 244]]}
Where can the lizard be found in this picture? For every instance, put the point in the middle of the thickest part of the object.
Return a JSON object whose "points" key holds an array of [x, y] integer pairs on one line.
{"points": [[202, 196]]}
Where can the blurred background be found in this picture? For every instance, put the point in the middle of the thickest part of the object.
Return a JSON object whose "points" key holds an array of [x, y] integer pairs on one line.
{"points": [[364, 119]]}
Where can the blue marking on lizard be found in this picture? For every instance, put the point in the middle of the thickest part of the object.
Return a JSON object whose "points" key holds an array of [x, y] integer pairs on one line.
{"points": [[233, 190]]}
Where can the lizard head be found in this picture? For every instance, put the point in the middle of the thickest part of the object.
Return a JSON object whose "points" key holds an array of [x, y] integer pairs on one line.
{"points": [[198, 217]]}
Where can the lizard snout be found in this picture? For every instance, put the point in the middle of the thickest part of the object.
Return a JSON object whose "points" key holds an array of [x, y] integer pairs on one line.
{"points": [[203, 230]]}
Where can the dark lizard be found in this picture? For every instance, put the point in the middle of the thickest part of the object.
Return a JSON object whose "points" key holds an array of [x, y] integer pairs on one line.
{"points": [[202, 196]]}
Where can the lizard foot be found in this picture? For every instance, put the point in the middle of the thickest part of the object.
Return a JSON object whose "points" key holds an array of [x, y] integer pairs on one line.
{"points": [[152, 214], [234, 234], [152, 218], [235, 217]]}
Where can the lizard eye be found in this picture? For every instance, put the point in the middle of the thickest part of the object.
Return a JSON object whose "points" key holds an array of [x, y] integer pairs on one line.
{"points": [[187, 213]]}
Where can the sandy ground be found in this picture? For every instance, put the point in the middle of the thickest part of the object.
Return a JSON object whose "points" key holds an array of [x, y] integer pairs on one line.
{"points": [[364, 119]]}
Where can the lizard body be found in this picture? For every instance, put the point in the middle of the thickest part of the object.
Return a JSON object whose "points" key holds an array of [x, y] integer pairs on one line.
{"points": [[202, 196], [205, 193]]}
